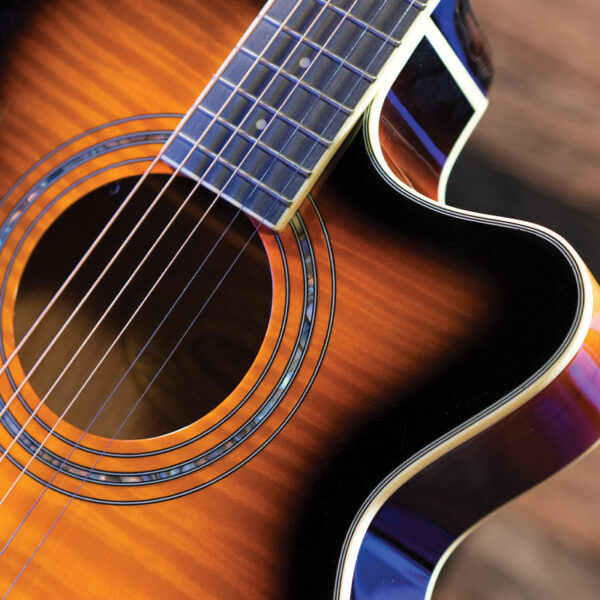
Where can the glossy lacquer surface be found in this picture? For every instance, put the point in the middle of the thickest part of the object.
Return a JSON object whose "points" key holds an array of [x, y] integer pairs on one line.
{"points": [[425, 113], [421, 522], [422, 117], [389, 320]]}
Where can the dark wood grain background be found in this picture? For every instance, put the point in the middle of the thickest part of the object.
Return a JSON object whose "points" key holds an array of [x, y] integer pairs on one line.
{"points": [[536, 155]]}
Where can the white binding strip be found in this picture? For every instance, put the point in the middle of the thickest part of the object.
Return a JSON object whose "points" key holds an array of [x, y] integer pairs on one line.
{"points": [[458, 71], [355, 536], [348, 561], [455, 152], [476, 98], [468, 87]]}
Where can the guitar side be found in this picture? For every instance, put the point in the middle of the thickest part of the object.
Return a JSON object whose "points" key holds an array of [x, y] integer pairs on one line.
{"points": [[420, 512]]}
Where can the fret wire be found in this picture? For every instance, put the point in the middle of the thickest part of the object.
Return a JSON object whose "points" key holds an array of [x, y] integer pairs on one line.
{"points": [[418, 4], [211, 84], [259, 143], [381, 14], [320, 75], [351, 18], [302, 155], [274, 110], [381, 48], [277, 112], [230, 166], [322, 49], [322, 96], [268, 114], [76, 491]]}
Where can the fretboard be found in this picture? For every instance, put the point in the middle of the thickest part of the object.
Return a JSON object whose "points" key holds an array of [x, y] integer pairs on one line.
{"points": [[263, 129]]}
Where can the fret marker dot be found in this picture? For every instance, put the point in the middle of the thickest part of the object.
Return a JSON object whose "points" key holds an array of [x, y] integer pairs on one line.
{"points": [[304, 62], [261, 124]]}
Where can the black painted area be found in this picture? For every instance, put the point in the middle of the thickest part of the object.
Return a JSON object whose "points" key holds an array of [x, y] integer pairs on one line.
{"points": [[13, 14], [476, 185], [431, 96], [536, 303]]}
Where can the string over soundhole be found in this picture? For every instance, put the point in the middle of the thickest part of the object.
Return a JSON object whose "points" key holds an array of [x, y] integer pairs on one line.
{"points": [[211, 358]]}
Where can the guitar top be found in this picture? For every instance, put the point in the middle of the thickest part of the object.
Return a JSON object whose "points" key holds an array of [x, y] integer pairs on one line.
{"points": [[246, 350]]}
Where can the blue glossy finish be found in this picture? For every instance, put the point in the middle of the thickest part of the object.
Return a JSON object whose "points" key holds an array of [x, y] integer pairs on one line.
{"points": [[383, 573], [398, 555], [439, 157], [445, 17], [422, 519]]}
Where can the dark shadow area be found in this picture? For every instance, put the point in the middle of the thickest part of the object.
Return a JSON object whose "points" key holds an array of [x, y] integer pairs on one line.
{"points": [[530, 279], [475, 185], [12, 15]]}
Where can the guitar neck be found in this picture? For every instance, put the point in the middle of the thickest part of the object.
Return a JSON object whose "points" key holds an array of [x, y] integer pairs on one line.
{"points": [[296, 83]]}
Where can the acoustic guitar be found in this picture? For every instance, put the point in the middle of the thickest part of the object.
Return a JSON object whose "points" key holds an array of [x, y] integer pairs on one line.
{"points": [[247, 351]]}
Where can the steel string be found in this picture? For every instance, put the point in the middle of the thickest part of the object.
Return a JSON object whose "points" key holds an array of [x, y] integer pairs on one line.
{"points": [[189, 236], [192, 192], [131, 194], [195, 318]]}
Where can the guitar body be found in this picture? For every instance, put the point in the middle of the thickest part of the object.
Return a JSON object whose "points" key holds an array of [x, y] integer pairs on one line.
{"points": [[406, 368]]}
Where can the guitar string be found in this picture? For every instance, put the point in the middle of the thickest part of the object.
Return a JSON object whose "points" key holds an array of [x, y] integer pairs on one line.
{"points": [[189, 327], [189, 236], [190, 195], [170, 310], [338, 67], [16, 392], [139, 400], [132, 193], [336, 71], [126, 418], [74, 494]]}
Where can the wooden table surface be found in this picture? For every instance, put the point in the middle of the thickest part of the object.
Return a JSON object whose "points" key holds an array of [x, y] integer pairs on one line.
{"points": [[543, 131], [543, 123]]}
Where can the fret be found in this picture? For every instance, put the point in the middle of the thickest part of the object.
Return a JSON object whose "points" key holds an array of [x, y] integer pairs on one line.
{"points": [[216, 138], [241, 108], [391, 17], [339, 36], [301, 150], [304, 17], [221, 169], [334, 82], [255, 165], [220, 178], [381, 16], [217, 175], [350, 17], [263, 73], [321, 120], [314, 46], [261, 132]]}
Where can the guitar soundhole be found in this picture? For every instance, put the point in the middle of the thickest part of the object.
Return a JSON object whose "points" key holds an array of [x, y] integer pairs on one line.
{"points": [[157, 378]]}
